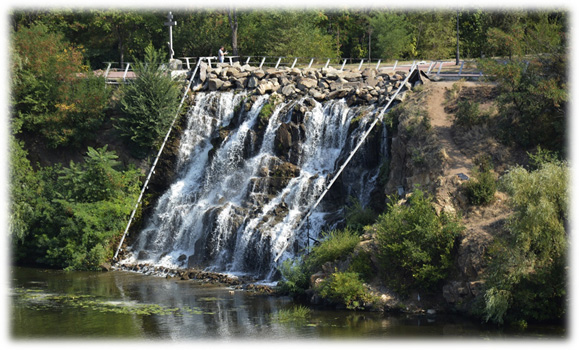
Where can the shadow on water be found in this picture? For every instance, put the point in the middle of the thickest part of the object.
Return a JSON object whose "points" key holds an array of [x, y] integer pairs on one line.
{"points": [[125, 305]]}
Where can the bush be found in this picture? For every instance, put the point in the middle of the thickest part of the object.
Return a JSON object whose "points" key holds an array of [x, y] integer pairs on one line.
{"points": [[79, 212], [481, 188], [333, 246], [357, 216], [345, 288], [295, 278], [416, 245], [468, 114]]}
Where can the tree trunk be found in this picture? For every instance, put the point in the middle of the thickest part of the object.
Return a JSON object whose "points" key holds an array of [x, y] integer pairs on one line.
{"points": [[233, 26]]}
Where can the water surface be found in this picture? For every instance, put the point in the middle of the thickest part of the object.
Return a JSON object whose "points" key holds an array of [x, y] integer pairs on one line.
{"points": [[126, 305]]}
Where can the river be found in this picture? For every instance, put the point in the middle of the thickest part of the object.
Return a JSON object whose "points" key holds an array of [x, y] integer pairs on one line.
{"points": [[51, 304]]}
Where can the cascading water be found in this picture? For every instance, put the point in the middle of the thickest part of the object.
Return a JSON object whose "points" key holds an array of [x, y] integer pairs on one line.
{"points": [[246, 180]]}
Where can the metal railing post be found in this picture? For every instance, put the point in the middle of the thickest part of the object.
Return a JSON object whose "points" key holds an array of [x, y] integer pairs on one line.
{"points": [[248, 58], [361, 63], [126, 71], [311, 61], [439, 69], [378, 64], [395, 64], [295, 61], [460, 70], [108, 69], [327, 63], [262, 61], [278, 61], [430, 67], [343, 64]]}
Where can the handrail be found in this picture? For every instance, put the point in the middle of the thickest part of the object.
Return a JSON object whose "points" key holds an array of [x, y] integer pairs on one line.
{"points": [[352, 153], [152, 170]]}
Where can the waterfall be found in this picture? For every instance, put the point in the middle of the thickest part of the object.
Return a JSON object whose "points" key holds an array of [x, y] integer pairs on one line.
{"points": [[245, 181]]}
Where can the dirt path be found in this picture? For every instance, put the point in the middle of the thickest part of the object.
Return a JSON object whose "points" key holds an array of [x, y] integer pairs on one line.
{"points": [[457, 161]]}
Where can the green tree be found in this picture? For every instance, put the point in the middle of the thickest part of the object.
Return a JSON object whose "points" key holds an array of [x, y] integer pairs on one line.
{"points": [[415, 244], [433, 34], [49, 96], [79, 212], [148, 104], [391, 33], [24, 190], [532, 82], [526, 278]]}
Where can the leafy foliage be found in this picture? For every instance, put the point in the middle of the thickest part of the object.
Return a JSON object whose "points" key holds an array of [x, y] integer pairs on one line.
{"points": [[148, 104], [532, 82], [345, 288], [527, 273], [482, 186], [78, 212], [333, 246], [49, 96], [24, 189], [415, 244]]}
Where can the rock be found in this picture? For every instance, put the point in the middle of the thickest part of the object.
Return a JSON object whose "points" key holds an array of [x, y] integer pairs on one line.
{"points": [[265, 87], [252, 82], [105, 267], [287, 90], [305, 84], [215, 84], [203, 71]]}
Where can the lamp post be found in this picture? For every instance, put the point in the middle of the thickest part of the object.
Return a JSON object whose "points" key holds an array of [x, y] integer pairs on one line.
{"points": [[170, 23]]}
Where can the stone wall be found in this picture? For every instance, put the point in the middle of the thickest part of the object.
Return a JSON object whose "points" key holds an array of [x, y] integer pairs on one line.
{"points": [[368, 86]]}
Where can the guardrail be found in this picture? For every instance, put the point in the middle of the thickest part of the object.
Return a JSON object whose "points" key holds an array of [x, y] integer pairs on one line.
{"points": [[117, 76]]}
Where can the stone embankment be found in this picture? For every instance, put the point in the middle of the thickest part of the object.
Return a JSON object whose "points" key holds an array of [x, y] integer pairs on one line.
{"points": [[368, 86]]}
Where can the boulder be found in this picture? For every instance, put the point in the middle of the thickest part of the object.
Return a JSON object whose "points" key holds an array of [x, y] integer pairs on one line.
{"points": [[288, 89], [203, 71], [252, 82], [215, 84], [307, 83]]}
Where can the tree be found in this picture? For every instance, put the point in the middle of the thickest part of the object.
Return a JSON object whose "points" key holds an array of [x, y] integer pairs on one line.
{"points": [[232, 15], [54, 94], [526, 277], [148, 104], [532, 82], [392, 37]]}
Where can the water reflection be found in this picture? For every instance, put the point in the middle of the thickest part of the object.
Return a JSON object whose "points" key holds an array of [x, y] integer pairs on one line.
{"points": [[55, 304]]}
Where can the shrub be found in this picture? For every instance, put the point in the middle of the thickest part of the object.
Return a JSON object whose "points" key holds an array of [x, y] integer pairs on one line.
{"points": [[357, 216], [468, 114], [345, 288], [334, 245], [481, 188], [79, 212], [295, 278], [415, 245]]}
